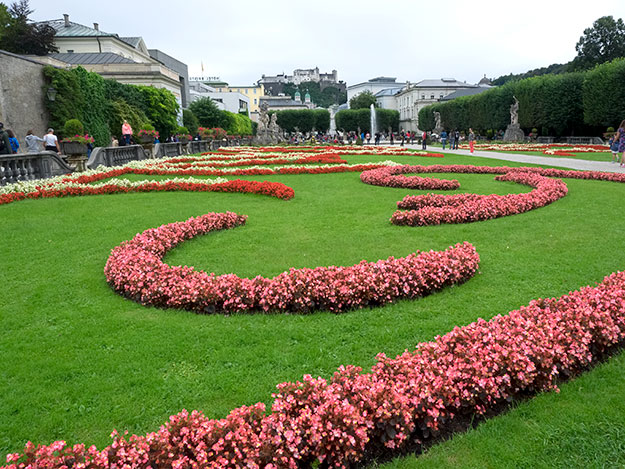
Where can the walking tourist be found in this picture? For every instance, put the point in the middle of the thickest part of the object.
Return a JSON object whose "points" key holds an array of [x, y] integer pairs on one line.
{"points": [[126, 132], [471, 139], [613, 144], [621, 141], [444, 138], [424, 140], [5, 144], [368, 137], [33, 143], [15, 145], [456, 139], [392, 139], [50, 142]]}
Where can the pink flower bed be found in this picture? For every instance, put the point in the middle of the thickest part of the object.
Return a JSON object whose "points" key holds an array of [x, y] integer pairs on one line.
{"points": [[394, 176], [407, 398], [135, 270], [381, 173], [435, 209]]}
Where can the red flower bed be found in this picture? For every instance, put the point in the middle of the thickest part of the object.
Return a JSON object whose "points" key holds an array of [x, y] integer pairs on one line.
{"points": [[135, 270], [412, 396], [273, 189], [435, 209]]}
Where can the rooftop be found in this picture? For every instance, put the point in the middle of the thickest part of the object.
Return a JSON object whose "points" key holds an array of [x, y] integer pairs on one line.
{"points": [[66, 28], [443, 83], [91, 58], [388, 92]]}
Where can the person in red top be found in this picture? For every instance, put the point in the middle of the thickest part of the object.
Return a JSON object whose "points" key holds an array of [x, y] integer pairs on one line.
{"points": [[424, 140], [126, 132]]}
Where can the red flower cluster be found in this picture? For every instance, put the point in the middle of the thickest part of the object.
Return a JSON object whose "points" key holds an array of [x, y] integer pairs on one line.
{"points": [[273, 189], [135, 270], [393, 176], [338, 421], [435, 209]]}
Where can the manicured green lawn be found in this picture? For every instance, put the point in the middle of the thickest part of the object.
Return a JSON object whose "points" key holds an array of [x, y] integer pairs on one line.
{"points": [[79, 360]]}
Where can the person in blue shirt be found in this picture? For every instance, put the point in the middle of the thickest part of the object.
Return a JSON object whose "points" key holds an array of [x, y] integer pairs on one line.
{"points": [[444, 138], [15, 145]]}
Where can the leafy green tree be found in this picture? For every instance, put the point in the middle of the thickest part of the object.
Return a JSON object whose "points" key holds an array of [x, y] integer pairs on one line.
{"points": [[602, 42], [362, 100], [323, 98], [190, 121], [207, 112], [21, 37], [162, 109]]}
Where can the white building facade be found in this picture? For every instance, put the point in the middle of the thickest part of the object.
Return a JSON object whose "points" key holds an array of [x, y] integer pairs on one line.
{"points": [[415, 97], [374, 85], [226, 100]]}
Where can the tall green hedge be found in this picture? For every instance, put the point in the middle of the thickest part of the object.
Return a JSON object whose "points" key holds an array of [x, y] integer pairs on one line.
{"points": [[558, 105], [604, 94], [102, 105], [304, 120], [353, 119]]}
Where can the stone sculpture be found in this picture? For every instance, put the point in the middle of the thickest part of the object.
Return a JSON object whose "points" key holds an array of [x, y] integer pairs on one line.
{"points": [[514, 132]]}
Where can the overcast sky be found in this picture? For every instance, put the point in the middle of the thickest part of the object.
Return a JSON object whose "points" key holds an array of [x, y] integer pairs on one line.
{"points": [[240, 40]]}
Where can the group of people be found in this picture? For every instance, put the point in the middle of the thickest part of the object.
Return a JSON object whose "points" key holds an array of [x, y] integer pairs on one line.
{"points": [[617, 144], [9, 144]]}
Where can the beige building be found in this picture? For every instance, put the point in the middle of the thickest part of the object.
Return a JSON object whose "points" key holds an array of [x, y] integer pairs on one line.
{"points": [[253, 93]]}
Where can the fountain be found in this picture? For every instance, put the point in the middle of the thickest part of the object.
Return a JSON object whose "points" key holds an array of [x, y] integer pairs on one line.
{"points": [[373, 121]]}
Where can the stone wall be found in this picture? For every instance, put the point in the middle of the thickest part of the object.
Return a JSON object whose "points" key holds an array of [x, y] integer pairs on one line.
{"points": [[22, 105]]}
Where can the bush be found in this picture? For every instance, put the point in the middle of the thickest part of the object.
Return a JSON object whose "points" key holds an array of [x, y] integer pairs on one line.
{"points": [[190, 121], [73, 127]]}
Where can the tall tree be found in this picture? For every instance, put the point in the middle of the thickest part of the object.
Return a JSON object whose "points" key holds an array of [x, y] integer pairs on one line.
{"points": [[603, 42], [362, 100], [20, 36], [207, 113]]}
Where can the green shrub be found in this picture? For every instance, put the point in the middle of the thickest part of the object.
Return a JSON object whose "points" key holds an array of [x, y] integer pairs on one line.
{"points": [[73, 127], [190, 121]]}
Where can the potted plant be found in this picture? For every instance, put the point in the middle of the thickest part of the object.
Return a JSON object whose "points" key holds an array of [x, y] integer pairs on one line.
{"points": [[183, 135], [76, 145], [147, 135]]}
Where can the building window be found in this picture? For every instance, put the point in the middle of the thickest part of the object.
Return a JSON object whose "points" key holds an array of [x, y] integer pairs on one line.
{"points": [[422, 96], [70, 51], [432, 96], [254, 90], [254, 100]]}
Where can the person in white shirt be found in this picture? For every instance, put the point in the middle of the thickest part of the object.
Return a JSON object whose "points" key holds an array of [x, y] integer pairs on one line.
{"points": [[50, 142]]}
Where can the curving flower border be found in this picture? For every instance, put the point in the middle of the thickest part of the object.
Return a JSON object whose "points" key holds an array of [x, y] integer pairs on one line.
{"points": [[406, 399], [435, 209], [135, 270], [73, 188]]}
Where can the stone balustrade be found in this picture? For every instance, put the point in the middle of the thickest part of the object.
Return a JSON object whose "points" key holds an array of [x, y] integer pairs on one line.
{"points": [[116, 156], [584, 140], [29, 166]]}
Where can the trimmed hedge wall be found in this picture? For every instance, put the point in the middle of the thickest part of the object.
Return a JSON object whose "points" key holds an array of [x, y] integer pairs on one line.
{"points": [[566, 104], [351, 119], [304, 119]]}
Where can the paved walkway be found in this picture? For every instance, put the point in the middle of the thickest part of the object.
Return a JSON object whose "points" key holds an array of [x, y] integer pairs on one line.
{"points": [[557, 161]]}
